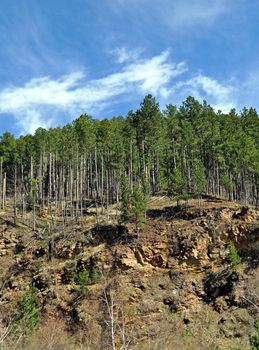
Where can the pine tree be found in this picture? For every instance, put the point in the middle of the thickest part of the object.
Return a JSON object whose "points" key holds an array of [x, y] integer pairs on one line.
{"points": [[178, 185], [125, 201], [26, 315], [199, 178], [187, 149], [233, 256], [139, 205]]}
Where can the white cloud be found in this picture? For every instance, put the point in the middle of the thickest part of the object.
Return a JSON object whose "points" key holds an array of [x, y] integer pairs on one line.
{"points": [[31, 120], [221, 96], [44, 102], [126, 55], [41, 101]]}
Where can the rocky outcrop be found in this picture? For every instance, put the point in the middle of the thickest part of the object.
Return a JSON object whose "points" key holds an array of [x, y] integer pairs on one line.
{"points": [[176, 268], [8, 241], [190, 245], [246, 214]]}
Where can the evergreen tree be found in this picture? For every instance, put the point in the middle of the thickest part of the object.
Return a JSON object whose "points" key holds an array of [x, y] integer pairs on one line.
{"points": [[233, 256], [125, 201], [178, 185], [139, 205], [26, 315], [190, 149]]}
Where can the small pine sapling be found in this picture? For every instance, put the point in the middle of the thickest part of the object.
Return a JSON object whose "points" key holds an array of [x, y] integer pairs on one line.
{"points": [[26, 315], [233, 255]]}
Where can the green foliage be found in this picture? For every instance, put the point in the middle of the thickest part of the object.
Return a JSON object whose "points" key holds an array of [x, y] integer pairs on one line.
{"points": [[226, 182], [125, 201], [8, 148], [233, 256], [94, 276], [254, 342], [85, 278], [9, 155], [82, 280], [25, 314], [178, 184], [190, 149], [34, 187], [139, 206], [84, 129], [199, 176], [254, 339]]}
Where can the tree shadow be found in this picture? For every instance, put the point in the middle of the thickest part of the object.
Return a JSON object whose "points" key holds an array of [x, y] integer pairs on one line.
{"points": [[174, 212], [109, 234], [251, 258]]}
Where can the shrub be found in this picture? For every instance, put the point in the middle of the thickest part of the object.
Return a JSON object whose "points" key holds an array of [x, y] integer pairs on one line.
{"points": [[233, 256], [85, 278], [82, 279], [254, 339], [25, 314]]}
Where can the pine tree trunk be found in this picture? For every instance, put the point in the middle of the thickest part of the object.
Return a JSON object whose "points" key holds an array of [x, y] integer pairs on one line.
{"points": [[131, 167], [4, 191], [1, 182], [14, 204]]}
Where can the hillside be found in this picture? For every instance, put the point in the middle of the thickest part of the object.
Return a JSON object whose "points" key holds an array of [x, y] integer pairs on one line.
{"points": [[103, 286]]}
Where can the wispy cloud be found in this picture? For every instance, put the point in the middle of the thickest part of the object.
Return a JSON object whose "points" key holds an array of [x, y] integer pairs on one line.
{"points": [[195, 12], [177, 14], [44, 102], [123, 54], [221, 95], [41, 101]]}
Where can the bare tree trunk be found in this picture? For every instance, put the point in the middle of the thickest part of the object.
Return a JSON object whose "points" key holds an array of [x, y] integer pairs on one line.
{"points": [[31, 174], [4, 191], [131, 167], [96, 174], [50, 182], [51, 243], [1, 182], [102, 185], [71, 192], [110, 305], [34, 213], [115, 321], [14, 204], [81, 185], [22, 190]]}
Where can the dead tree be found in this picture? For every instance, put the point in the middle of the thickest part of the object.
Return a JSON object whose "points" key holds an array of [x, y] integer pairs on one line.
{"points": [[115, 320]]}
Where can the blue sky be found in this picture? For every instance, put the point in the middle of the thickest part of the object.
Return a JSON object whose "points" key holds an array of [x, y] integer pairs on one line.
{"points": [[61, 58]]}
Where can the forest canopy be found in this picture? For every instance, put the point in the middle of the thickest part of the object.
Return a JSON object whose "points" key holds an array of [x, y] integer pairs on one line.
{"points": [[187, 150]]}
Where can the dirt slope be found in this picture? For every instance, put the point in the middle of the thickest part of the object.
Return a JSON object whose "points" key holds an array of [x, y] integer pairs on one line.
{"points": [[172, 287]]}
